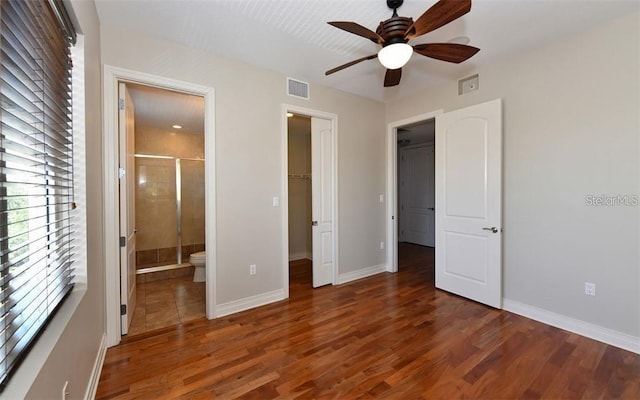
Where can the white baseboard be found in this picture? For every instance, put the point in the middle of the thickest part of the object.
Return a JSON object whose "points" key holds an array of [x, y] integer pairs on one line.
{"points": [[247, 303], [596, 332], [361, 273], [97, 368]]}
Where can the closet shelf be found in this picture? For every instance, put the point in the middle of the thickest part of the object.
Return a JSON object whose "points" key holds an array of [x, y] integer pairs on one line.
{"points": [[300, 176]]}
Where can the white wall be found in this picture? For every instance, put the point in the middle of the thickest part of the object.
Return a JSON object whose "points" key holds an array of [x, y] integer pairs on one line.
{"points": [[248, 159], [70, 345], [571, 129]]}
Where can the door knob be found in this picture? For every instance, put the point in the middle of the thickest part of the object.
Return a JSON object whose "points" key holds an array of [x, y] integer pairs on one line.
{"points": [[493, 229]]}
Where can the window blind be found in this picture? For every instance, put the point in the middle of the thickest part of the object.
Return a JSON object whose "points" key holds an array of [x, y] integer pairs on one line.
{"points": [[36, 172]]}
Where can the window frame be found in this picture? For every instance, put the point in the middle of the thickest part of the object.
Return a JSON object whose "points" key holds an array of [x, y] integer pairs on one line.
{"points": [[65, 306]]}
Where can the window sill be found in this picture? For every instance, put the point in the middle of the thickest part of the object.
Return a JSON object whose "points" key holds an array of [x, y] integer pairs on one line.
{"points": [[28, 371]]}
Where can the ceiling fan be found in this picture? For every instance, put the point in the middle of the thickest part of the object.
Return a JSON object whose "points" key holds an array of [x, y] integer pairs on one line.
{"points": [[394, 33]]}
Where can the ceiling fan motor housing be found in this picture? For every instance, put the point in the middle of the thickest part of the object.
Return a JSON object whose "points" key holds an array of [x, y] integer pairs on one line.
{"points": [[393, 30]]}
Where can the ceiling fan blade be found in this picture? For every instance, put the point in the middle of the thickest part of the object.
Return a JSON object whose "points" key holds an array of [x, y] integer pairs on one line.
{"points": [[451, 52], [441, 13], [357, 29], [354, 62], [392, 77]]}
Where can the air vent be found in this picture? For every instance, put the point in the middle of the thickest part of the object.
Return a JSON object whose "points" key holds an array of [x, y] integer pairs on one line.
{"points": [[469, 84], [298, 89]]}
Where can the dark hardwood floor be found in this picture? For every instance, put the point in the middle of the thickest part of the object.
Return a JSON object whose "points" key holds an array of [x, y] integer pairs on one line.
{"points": [[387, 336]]}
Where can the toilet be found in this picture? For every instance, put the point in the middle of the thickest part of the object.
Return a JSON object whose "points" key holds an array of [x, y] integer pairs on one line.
{"points": [[198, 260]]}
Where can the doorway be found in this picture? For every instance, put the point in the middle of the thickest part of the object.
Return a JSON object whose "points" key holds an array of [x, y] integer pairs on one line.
{"points": [[416, 191], [112, 77], [413, 138], [162, 191], [309, 197], [299, 201]]}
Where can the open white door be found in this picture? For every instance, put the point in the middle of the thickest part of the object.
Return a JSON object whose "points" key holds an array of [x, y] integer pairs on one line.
{"points": [[322, 202], [468, 202], [417, 201], [127, 175]]}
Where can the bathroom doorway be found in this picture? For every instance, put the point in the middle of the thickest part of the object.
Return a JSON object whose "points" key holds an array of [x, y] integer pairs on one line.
{"points": [[165, 199], [112, 77]]}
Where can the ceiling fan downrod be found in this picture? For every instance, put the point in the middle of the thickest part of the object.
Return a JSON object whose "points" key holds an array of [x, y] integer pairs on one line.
{"points": [[394, 5]]}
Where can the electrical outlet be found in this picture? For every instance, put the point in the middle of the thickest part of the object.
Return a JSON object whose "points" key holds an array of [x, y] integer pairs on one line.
{"points": [[381, 198], [590, 289], [252, 269], [65, 391], [381, 245]]}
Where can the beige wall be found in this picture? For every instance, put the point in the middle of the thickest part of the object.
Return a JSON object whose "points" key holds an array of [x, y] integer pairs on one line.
{"points": [[299, 157], [74, 352], [571, 129], [249, 153]]}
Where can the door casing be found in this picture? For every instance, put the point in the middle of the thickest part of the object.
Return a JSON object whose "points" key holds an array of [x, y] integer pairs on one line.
{"points": [[287, 108], [111, 77]]}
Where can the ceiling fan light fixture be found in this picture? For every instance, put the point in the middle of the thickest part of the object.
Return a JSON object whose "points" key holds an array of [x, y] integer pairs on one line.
{"points": [[395, 55]]}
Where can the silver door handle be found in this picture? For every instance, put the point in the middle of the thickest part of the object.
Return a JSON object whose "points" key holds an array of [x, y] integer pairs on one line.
{"points": [[314, 223], [493, 229]]}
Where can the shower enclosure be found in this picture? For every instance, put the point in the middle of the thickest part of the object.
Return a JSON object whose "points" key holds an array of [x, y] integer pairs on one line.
{"points": [[170, 204]]}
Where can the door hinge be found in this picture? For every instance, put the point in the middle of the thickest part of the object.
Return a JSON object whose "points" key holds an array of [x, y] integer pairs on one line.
{"points": [[123, 309], [120, 104], [121, 173], [123, 241]]}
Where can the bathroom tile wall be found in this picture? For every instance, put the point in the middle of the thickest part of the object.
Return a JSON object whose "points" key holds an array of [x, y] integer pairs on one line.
{"points": [[169, 142], [156, 216], [166, 255]]}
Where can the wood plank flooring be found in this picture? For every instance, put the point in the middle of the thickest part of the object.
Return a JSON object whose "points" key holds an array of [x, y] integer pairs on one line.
{"points": [[388, 336]]}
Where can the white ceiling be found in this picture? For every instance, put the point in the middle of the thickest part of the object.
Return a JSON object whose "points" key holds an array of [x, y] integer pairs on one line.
{"points": [[292, 36]]}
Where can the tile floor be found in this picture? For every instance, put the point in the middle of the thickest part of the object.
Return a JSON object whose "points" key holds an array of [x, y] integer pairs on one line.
{"points": [[167, 302]]}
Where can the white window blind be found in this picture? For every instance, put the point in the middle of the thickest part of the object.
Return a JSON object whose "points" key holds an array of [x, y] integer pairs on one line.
{"points": [[36, 172]]}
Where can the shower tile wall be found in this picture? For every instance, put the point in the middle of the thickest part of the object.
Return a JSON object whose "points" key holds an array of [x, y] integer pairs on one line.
{"points": [[156, 219]]}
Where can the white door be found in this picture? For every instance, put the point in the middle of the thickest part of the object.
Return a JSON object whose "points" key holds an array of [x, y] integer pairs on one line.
{"points": [[417, 190], [127, 175], [322, 201], [468, 202]]}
